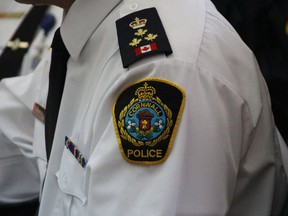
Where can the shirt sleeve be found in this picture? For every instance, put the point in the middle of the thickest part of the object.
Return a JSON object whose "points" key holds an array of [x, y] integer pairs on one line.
{"points": [[17, 165], [261, 177]]}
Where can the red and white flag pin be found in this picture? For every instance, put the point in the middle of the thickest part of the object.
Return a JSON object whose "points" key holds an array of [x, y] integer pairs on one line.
{"points": [[145, 49]]}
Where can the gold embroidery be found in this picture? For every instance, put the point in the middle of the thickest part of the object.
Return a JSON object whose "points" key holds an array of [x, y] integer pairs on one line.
{"points": [[138, 23], [135, 42], [141, 32], [151, 37]]}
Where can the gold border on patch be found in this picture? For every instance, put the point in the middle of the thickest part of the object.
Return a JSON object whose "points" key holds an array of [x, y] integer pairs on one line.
{"points": [[146, 116]]}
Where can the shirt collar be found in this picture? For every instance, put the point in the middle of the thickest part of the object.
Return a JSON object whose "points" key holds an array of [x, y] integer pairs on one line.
{"points": [[80, 22]]}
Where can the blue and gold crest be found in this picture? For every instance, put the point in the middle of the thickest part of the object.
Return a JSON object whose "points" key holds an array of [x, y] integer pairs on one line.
{"points": [[146, 116]]}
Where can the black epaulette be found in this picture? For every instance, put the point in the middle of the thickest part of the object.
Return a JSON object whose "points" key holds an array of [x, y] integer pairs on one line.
{"points": [[141, 34]]}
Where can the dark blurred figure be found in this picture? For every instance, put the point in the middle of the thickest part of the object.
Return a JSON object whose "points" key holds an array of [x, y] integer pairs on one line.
{"points": [[263, 25]]}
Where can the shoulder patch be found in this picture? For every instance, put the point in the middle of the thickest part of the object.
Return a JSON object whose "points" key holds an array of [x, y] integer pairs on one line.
{"points": [[146, 116], [141, 34]]}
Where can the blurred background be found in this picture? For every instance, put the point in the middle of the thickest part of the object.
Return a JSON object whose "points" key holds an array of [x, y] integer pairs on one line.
{"points": [[25, 34]]}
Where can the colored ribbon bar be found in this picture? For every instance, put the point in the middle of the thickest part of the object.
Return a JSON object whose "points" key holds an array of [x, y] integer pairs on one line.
{"points": [[74, 150]]}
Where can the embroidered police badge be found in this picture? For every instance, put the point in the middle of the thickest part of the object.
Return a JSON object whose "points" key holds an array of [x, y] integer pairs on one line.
{"points": [[141, 34], [146, 116]]}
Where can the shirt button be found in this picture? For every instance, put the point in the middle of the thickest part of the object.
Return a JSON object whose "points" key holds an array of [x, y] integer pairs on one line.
{"points": [[133, 6]]}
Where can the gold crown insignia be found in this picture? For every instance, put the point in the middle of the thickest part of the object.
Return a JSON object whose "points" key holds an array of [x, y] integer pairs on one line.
{"points": [[145, 92], [138, 23]]}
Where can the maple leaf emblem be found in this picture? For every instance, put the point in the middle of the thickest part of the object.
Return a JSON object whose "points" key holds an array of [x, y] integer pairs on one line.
{"points": [[141, 32], [146, 48], [151, 37], [135, 42]]}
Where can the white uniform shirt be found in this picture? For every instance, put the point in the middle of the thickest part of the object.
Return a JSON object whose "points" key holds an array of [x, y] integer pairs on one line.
{"points": [[14, 165], [224, 155]]}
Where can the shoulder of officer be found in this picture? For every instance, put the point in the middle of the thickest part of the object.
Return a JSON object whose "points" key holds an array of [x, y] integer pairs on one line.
{"points": [[201, 38], [151, 30]]}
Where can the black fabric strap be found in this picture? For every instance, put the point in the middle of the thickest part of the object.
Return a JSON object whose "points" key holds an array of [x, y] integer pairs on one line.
{"points": [[12, 57], [57, 76]]}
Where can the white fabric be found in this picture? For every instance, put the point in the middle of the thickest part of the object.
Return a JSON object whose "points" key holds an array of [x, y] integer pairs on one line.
{"points": [[284, 152], [223, 160], [19, 177]]}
